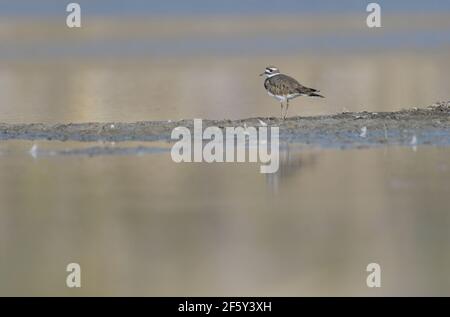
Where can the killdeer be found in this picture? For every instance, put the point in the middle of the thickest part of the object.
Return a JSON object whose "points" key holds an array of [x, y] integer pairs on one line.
{"points": [[284, 88]]}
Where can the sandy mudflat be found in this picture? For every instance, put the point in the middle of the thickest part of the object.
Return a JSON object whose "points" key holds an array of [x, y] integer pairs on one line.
{"points": [[411, 127]]}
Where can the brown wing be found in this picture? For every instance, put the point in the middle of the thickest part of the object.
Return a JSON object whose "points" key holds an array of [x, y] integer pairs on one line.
{"points": [[285, 85]]}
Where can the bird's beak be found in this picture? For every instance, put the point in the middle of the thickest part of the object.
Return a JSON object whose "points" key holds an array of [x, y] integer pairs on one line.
{"points": [[261, 74]]}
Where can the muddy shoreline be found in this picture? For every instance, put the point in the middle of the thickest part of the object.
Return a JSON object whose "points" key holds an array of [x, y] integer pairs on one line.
{"points": [[417, 126]]}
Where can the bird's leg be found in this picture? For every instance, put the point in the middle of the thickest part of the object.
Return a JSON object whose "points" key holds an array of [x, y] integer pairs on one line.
{"points": [[287, 107], [281, 110]]}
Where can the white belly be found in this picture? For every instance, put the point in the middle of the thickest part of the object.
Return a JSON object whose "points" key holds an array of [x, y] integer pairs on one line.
{"points": [[283, 98], [279, 98]]}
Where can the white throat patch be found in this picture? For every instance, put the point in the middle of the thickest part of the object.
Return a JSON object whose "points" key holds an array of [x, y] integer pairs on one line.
{"points": [[271, 75]]}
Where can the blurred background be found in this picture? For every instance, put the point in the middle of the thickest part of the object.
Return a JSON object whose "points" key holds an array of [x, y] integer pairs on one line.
{"points": [[143, 225], [157, 60]]}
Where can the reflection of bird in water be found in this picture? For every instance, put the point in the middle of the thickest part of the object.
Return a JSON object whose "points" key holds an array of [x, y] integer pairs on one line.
{"points": [[291, 162]]}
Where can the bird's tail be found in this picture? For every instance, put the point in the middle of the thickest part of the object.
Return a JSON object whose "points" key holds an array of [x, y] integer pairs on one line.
{"points": [[313, 94]]}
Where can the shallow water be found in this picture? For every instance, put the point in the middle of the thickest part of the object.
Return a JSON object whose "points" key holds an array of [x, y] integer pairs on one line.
{"points": [[143, 225], [205, 7], [139, 224], [161, 68]]}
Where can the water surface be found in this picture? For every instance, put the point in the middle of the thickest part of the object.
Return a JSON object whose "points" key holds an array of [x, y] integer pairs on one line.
{"points": [[140, 224], [143, 225]]}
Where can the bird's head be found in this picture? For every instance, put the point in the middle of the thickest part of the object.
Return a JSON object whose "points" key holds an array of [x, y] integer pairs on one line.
{"points": [[270, 71]]}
